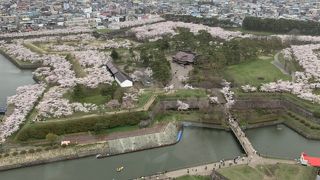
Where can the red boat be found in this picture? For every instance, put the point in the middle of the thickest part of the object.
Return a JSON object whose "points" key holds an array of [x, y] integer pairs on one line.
{"points": [[309, 160]]}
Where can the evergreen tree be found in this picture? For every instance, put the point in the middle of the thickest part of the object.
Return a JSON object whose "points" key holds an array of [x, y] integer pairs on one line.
{"points": [[114, 54]]}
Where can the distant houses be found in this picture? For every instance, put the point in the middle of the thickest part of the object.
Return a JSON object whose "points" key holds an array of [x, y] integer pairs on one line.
{"points": [[184, 58], [122, 79]]}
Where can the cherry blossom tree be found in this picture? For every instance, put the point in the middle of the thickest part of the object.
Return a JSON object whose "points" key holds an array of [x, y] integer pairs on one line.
{"points": [[46, 32], [227, 93], [23, 102], [248, 88], [164, 28], [182, 106]]}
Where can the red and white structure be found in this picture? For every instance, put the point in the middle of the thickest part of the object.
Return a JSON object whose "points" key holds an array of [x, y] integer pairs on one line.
{"points": [[309, 160]]}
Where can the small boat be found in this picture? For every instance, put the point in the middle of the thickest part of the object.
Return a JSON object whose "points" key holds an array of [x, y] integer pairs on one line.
{"points": [[119, 169], [279, 127], [99, 156]]}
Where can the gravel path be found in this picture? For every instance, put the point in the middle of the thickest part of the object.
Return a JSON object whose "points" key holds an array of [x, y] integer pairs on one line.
{"points": [[277, 63]]}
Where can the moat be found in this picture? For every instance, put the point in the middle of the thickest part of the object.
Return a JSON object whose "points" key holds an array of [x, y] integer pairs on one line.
{"points": [[11, 77], [198, 146]]}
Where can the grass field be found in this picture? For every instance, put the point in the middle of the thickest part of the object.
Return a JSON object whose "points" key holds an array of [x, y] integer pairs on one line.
{"points": [[76, 66], [254, 72], [95, 99], [299, 123], [193, 178], [279, 172], [144, 98]]}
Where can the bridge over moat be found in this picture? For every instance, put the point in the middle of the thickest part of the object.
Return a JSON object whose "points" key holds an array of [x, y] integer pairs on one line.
{"points": [[241, 136]]}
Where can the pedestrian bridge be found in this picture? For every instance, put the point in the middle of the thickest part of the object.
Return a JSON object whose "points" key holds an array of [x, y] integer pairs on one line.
{"points": [[244, 141]]}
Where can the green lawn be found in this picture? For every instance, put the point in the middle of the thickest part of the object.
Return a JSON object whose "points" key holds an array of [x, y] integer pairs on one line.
{"points": [[306, 126], [193, 178], [34, 48], [143, 98], [254, 72], [279, 172], [95, 99], [76, 66]]}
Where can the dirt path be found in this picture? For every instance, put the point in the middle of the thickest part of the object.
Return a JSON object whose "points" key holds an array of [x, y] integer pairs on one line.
{"points": [[178, 71], [277, 64]]}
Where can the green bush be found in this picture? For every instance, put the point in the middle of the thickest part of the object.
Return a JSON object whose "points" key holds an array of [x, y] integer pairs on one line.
{"points": [[38, 150], [6, 155], [31, 151], [14, 153], [40, 130], [23, 152], [281, 25], [316, 114], [114, 54]]}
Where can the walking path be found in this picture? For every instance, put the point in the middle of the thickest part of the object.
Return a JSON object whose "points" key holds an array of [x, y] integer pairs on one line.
{"points": [[277, 63], [206, 169], [203, 170], [244, 141]]}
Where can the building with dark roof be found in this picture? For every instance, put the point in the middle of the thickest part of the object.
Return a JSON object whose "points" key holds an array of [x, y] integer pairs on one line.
{"points": [[122, 79], [184, 58]]}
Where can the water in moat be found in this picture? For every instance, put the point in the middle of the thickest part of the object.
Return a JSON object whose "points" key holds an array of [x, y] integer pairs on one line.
{"points": [[281, 141], [198, 146], [11, 77]]}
